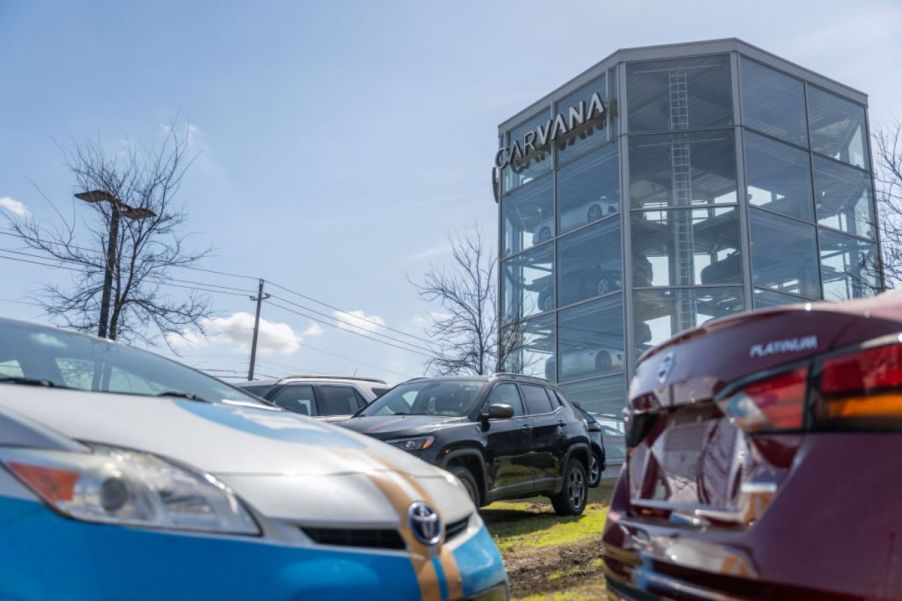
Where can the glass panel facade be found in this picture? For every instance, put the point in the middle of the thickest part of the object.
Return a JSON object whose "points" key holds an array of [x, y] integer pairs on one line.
{"points": [[527, 284], [602, 397], [691, 93], [784, 255], [570, 224], [589, 263], [529, 348], [659, 314], [682, 169], [590, 339], [765, 299], [773, 103], [527, 217], [849, 266], [525, 166], [591, 135], [778, 177], [588, 189], [686, 247], [843, 198], [837, 128]]}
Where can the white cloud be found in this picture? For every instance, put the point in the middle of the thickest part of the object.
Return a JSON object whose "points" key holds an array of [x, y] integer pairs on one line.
{"points": [[424, 322], [235, 332], [355, 321], [14, 206]]}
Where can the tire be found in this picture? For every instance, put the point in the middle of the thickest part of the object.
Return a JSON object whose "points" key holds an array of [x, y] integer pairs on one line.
{"points": [[572, 498], [603, 286], [593, 214], [593, 478], [543, 235], [469, 482], [603, 361], [546, 301]]}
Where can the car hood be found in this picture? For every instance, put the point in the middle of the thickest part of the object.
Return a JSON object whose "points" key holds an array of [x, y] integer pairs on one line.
{"points": [[394, 426], [283, 464]]}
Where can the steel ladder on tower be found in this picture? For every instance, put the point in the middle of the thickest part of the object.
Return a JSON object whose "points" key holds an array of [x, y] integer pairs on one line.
{"points": [[681, 171]]}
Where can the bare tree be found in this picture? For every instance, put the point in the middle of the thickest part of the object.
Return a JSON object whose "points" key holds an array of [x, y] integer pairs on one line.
{"points": [[123, 252], [888, 147], [466, 331]]}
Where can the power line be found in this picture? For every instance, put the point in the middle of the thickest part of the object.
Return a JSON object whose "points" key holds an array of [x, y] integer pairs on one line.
{"points": [[351, 325], [403, 348], [274, 284], [349, 313]]}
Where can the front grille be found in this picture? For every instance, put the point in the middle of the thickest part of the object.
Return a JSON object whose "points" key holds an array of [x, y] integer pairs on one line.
{"points": [[370, 538], [455, 528]]}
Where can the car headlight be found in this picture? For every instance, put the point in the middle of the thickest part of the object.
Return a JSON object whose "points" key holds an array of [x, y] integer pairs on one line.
{"points": [[418, 443], [119, 486]]}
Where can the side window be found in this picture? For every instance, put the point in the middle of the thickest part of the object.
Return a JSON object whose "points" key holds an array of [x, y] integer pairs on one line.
{"points": [[557, 400], [338, 400], [297, 398], [379, 391], [506, 394], [536, 399]]}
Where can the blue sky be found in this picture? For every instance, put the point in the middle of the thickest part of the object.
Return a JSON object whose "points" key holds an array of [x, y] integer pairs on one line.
{"points": [[341, 143]]}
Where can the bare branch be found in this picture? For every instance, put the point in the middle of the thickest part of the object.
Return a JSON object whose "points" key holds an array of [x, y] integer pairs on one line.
{"points": [[145, 250]]}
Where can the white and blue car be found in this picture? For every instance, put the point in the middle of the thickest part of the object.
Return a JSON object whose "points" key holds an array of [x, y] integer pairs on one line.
{"points": [[124, 475]]}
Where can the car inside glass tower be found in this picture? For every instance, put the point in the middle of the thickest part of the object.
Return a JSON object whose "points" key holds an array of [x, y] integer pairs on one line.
{"points": [[717, 179]]}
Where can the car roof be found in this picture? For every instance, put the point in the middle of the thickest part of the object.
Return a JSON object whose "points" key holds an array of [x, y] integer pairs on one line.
{"points": [[492, 378], [317, 379]]}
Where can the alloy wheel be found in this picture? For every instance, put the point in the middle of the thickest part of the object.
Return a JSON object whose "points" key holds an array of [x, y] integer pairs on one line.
{"points": [[576, 487], [594, 471]]}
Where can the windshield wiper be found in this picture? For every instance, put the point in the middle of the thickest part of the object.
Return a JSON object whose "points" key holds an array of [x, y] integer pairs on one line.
{"points": [[181, 394], [31, 382]]}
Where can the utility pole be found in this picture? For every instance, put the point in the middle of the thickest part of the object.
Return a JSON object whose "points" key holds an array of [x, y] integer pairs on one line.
{"points": [[259, 298]]}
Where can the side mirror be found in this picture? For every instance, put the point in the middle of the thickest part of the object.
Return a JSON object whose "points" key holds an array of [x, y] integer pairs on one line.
{"points": [[499, 411]]}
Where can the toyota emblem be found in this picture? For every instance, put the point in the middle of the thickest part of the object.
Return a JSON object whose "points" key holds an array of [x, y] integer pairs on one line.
{"points": [[425, 524]]}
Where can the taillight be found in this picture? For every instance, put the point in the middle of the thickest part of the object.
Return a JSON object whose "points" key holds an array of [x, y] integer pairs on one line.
{"points": [[858, 389], [862, 389], [772, 403]]}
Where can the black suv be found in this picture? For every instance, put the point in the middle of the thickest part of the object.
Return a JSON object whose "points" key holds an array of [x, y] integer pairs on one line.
{"points": [[504, 436]]}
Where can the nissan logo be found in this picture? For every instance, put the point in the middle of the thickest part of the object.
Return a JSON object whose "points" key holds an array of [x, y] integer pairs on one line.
{"points": [[425, 524], [665, 367]]}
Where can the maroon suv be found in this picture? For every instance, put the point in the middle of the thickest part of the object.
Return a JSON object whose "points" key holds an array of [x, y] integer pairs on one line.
{"points": [[765, 460]]}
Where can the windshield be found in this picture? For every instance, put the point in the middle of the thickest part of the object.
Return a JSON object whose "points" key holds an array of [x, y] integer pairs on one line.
{"points": [[452, 398], [70, 360]]}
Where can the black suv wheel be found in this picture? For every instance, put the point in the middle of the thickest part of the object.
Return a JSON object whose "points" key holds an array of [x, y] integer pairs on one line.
{"points": [[469, 482], [594, 475], [572, 498]]}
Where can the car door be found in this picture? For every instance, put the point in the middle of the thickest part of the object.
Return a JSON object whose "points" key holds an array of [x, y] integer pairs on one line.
{"points": [[508, 443], [546, 420]]}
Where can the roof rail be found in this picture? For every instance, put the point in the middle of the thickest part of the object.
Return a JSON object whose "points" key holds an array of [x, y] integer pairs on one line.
{"points": [[512, 375], [314, 377]]}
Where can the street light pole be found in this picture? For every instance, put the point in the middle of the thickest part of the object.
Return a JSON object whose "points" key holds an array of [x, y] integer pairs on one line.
{"points": [[108, 274], [118, 210]]}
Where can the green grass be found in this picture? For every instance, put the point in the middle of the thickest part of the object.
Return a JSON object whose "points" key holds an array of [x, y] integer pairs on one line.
{"points": [[534, 541]]}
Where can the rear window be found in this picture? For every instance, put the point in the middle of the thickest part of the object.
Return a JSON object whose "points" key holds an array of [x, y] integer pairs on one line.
{"points": [[339, 400], [379, 391], [297, 398], [536, 399]]}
